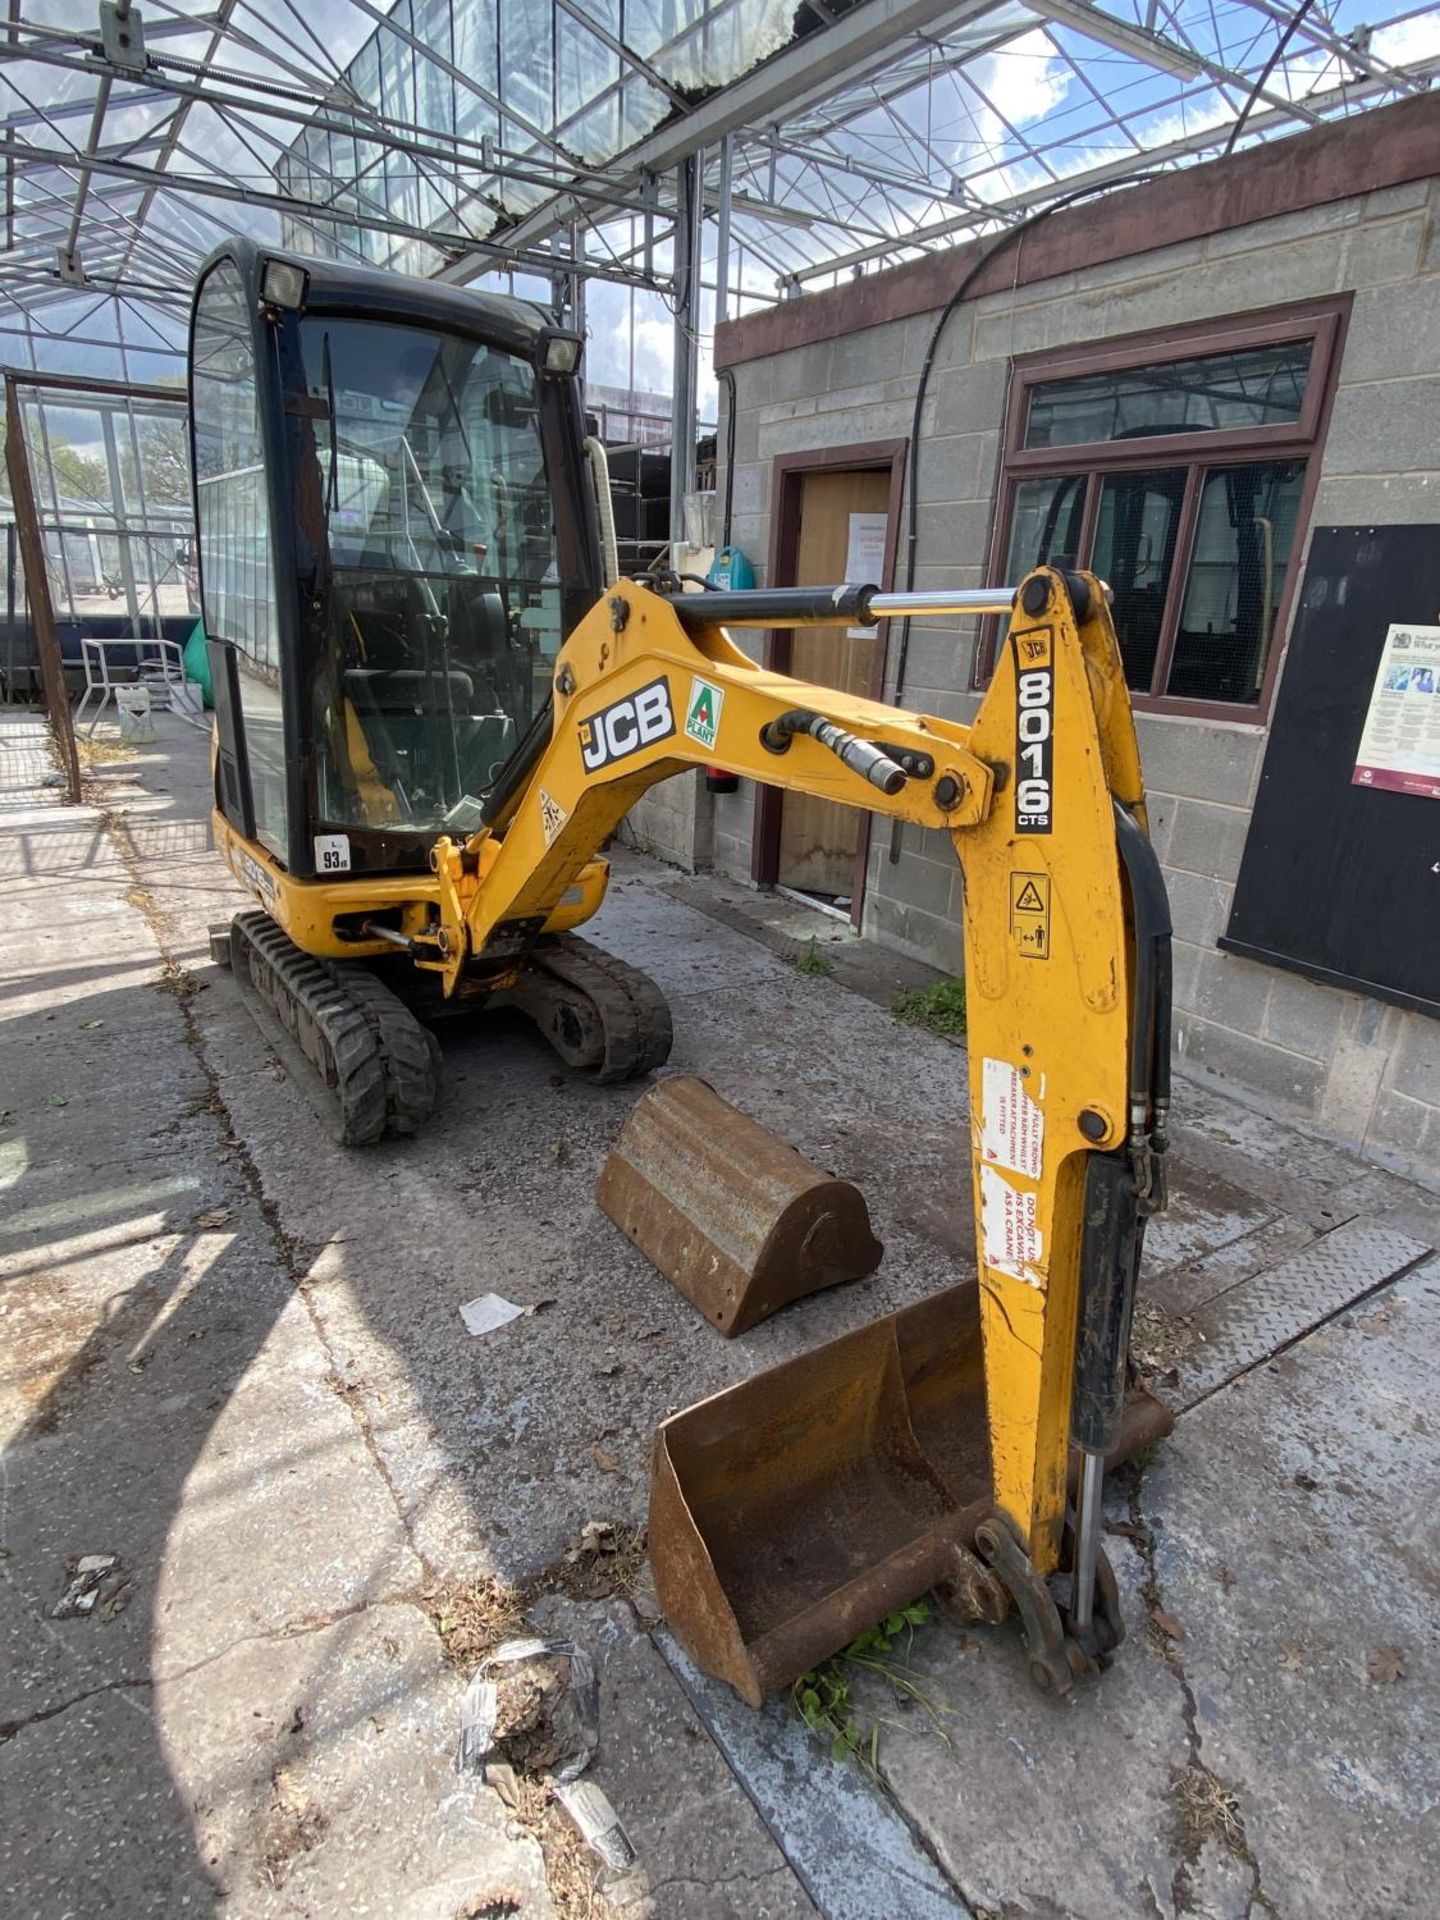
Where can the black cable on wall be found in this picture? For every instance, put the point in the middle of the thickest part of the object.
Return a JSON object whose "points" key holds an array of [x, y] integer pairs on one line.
{"points": [[726, 377], [956, 300]]}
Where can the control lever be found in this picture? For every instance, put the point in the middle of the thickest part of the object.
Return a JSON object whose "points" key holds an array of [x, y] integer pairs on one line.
{"points": [[870, 762]]}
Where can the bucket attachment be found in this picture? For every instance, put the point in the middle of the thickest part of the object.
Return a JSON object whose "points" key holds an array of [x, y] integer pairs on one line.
{"points": [[795, 1510], [730, 1214]]}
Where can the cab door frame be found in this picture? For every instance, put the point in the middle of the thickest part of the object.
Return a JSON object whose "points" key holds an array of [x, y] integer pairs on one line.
{"points": [[788, 475]]}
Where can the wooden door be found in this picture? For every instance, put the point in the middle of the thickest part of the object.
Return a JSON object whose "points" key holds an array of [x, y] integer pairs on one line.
{"points": [[818, 838]]}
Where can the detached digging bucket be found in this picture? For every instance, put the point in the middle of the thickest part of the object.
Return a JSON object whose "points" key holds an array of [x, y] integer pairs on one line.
{"points": [[795, 1510], [731, 1215]]}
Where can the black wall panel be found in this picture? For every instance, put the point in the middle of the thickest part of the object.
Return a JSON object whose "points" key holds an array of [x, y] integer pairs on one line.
{"points": [[1338, 881]]}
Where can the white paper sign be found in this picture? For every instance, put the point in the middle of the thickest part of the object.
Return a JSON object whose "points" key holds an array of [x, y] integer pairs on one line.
{"points": [[1400, 747], [865, 558], [1012, 1126], [332, 853]]}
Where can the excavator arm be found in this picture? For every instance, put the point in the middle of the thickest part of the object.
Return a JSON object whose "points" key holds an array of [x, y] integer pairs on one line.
{"points": [[1066, 952]]}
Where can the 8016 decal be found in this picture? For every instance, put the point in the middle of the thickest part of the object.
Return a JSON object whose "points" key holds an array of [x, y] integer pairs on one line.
{"points": [[1034, 733]]}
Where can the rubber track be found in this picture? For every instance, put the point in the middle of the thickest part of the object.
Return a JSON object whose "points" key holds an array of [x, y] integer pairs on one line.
{"points": [[369, 1065], [409, 1051], [634, 1013]]}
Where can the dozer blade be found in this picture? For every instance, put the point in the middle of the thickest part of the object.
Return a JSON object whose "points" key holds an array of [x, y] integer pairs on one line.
{"points": [[732, 1216], [795, 1510]]}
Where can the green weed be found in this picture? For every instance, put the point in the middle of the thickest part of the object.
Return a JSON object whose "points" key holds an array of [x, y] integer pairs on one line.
{"points": [[823, 1700], [812, 959], [940, 1007]]}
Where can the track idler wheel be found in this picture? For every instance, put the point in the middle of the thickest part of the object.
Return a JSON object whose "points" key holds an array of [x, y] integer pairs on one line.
{"points": [[600, 1014]]}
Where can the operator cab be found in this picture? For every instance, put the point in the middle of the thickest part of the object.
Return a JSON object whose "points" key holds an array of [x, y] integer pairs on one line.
{"points": [[396, 534]]}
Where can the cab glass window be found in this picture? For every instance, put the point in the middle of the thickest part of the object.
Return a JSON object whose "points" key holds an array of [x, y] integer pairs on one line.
{"points": [[237, 577], [443, 617]]}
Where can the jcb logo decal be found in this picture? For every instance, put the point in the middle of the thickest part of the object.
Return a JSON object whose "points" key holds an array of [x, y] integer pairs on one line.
{"points": [[1034, 734], [620, 730]]}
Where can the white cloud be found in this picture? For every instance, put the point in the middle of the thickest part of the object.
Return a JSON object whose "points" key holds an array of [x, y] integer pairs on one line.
{"points": [[1408, 40]]}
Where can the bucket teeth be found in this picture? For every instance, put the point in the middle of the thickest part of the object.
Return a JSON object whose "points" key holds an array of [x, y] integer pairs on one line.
{"points": [[731, 1215]]}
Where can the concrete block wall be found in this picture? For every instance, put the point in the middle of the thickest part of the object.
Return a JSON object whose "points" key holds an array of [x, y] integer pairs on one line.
{"points": [[1367, 1073], [674, 821]]}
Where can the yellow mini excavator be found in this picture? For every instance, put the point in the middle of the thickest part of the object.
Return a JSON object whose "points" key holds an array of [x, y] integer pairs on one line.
{"points": [[436, 700]]}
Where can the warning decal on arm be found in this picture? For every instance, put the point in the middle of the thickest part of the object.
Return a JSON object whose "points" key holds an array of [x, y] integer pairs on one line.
{"points": [[1030, 914], [1012, 1126], [1010, 1241], [552, 818]]}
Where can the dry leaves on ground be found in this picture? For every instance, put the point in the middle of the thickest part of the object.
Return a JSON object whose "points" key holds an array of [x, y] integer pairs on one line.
{"points": [[1386, 1665], [473, 1619]]}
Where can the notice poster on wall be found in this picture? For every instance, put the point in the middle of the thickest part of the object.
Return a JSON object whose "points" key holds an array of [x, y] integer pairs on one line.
{"points": [[865, 558], [1400, 747]]}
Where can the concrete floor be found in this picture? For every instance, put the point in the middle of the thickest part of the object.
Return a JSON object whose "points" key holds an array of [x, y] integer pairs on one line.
{"points": [[233, 1356]]}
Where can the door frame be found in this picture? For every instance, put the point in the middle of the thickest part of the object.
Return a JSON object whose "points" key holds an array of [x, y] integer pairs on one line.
{"points": [[788, 473]]}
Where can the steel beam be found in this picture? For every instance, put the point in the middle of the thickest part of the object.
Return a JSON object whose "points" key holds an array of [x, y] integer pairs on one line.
{"points": [[37, 586], [1126, 167], [778, 88], [688, 209], [214, 188]]}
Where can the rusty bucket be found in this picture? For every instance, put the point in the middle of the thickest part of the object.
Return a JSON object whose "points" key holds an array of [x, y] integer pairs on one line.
{"points": [[795, 1510], [731, 1215]]}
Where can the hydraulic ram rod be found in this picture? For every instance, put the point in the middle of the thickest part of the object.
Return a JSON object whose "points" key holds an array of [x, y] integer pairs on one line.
{"points": [[829, 606]]}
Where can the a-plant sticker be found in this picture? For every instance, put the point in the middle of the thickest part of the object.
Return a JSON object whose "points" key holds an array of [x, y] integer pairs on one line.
{"points": [[702, 717]]}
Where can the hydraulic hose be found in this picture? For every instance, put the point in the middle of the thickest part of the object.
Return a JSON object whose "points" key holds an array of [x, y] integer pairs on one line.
{"points": [[870, 762]]}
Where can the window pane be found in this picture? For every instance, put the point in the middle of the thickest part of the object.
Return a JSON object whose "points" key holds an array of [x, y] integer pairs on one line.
{"points": [[444, 604], [234, 527], [1134, 546], [1045, 523], [1243, 543], [1259, 387]]}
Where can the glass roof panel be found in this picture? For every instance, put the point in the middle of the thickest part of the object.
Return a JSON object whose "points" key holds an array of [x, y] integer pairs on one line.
{"points": [[538, 139]]}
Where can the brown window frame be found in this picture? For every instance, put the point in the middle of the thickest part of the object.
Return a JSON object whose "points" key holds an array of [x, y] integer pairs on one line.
{"points": [[1321, 322]]}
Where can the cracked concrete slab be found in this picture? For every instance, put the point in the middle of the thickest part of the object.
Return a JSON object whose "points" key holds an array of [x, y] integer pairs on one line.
{"points": [[853, 1847], [1037, 1807], [702, 1852], [250, 1717], [306, 1773], [1311, 1609]]}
